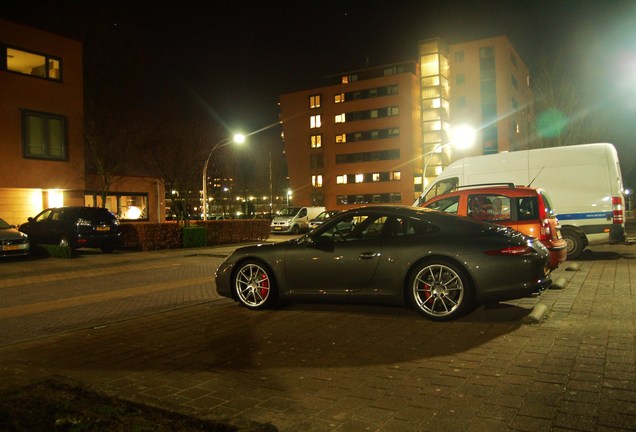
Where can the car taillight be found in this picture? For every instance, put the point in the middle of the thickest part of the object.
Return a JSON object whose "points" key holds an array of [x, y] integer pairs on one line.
{"points": [[511, 250], [617, 210], [545, 229]]}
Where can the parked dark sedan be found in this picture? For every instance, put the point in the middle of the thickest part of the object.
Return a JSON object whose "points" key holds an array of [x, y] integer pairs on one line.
{"points": [[443, 265], [77, 227], [12, 241]]}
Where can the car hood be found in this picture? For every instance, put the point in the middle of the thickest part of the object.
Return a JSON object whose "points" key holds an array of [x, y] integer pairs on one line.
{"points": [[11, 234]]}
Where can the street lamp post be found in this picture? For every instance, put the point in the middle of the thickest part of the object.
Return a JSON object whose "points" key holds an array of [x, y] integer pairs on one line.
{"points": [[238, 139]]}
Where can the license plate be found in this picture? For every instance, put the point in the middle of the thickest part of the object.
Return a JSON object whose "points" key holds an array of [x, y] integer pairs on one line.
{"points": [[277, 228], [13, 247], [103, 228]]}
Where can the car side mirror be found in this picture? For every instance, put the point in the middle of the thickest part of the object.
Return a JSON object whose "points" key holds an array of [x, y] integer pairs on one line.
{"points": [[319, 242], [30, 219]]}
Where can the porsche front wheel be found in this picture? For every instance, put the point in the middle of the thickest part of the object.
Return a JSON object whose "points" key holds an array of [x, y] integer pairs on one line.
{"points": [[254, 285]]}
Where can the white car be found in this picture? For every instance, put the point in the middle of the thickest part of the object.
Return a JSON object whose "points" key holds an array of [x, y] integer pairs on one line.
{"points": [[321, 218]]}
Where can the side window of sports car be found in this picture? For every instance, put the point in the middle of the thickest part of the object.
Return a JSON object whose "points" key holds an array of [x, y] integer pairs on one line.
{"points": [[447, 205]]}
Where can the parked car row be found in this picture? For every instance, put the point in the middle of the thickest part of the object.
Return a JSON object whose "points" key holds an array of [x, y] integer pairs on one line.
{"points": [[75, 227]]}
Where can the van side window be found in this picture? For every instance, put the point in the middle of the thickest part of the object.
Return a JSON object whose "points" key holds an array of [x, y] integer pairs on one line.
{"points": [[442, 187], [302, 213]]}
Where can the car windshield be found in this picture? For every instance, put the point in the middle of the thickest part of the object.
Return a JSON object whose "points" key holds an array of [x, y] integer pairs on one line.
{"points": [[4, 225], [289, 211], [322, 216]]}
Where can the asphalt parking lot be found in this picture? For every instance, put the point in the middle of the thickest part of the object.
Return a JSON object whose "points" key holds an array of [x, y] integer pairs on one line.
{"points": [[318, 367]]}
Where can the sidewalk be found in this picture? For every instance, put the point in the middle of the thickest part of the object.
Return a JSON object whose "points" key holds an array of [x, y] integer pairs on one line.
{"points": [[315, 367]]}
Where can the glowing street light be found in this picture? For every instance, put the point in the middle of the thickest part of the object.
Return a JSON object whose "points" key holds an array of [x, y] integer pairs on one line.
{"points": [[238, 139], [462, 137]]}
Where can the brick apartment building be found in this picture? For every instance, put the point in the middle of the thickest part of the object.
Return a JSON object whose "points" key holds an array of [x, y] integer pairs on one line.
{"points": [[368, 137], [41, 134]]}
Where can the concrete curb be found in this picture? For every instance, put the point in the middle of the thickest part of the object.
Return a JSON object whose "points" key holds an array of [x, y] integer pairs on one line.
{"points": [[537, 314], [559, 283]]}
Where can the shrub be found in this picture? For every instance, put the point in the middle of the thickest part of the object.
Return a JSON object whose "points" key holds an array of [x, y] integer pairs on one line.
{"points": [[152, 236], [194, 236], [171, 235]]}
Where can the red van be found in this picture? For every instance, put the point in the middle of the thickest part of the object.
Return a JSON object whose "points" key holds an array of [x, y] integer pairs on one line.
{"points": [[524, 209]]}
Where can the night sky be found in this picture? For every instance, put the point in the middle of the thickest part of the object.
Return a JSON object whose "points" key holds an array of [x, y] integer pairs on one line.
{"points": [[234, 58]]}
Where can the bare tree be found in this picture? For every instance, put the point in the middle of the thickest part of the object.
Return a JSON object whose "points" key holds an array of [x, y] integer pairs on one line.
{"points": [[176, 152], [112, 120], [562, 116]]}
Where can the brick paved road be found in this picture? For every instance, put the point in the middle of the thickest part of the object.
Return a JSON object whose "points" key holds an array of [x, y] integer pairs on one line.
{"points": [[320, 367]]}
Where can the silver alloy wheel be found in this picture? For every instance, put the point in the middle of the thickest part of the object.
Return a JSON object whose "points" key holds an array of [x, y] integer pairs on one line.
{"points": [[438, 291], [63, 241], [253, 285]]}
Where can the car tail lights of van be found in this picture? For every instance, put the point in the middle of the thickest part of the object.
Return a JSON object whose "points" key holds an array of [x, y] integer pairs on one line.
{"points": [[617, 210], [546, 233]]}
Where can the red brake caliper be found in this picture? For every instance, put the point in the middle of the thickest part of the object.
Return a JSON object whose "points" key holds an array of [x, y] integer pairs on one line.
{"points": [[427, 292], [264, 285]]}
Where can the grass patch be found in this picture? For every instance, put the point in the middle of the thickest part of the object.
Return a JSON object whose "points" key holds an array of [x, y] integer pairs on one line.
{"points": [[56, 251], [54, 405]]}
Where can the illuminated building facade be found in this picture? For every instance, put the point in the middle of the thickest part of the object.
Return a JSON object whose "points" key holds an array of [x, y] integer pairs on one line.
{"points": [[368, 137], [41, 133]]}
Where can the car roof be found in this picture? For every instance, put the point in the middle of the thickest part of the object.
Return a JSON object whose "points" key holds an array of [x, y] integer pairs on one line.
{"points": [[511, 190]]}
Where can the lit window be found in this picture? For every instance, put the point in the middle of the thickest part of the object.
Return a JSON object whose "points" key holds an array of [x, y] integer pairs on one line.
{"points": [[429, 65], [316, 141], [341, 138], [314, 101], [396, 175], [33, 64], [430, 81], [316, 180], [44, 135], [432, 125], [341, 179], [314, 121], [359, 178], [340, 118], [394, 111], [375, 177], [339, 98]]}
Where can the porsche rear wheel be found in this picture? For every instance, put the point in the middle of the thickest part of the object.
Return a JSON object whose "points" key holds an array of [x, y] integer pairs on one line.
{"points": [[254, 285], [439, 290]]}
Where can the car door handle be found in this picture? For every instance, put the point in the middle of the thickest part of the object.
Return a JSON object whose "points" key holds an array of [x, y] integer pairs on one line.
{"points": [[369, 255]]}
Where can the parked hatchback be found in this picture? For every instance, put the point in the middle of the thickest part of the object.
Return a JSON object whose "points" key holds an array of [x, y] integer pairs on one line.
{"points": [[524, 209], [77, 227], [12, 242]]}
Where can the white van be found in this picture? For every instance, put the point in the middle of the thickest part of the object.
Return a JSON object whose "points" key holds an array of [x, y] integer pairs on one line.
{"points": [[294, 219], [584, 182]]}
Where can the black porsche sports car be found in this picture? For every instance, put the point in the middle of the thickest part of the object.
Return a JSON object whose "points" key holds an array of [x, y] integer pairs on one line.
{"points": [[443, 265]]}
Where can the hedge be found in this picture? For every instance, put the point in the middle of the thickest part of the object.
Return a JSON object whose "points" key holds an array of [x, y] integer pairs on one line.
{"points": [[170, 235]]}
